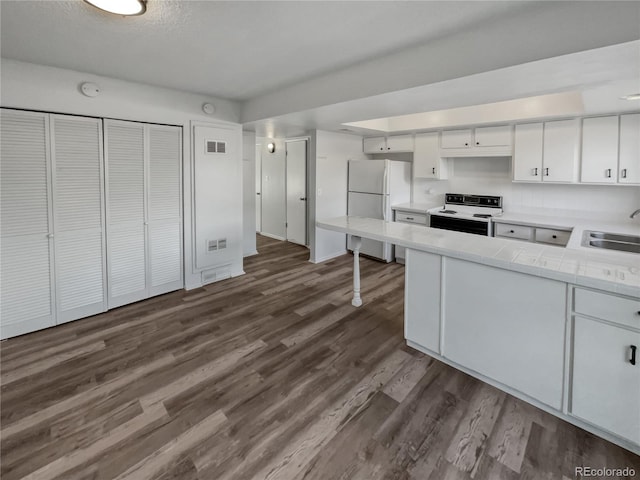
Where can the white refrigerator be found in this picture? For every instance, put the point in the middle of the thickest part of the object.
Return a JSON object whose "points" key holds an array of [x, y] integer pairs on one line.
{"points": [[375, 185]]}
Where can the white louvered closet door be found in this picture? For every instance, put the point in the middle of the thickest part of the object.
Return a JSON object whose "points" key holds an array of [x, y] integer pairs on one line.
{"points": [[76, 157], [25, 224], [126, 229], [164, 209]]}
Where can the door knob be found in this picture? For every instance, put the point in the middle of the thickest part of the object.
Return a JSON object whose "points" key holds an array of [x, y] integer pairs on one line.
{"points": [[303, 198]]}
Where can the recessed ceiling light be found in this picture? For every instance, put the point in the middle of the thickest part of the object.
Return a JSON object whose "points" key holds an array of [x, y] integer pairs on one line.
{"points": [[120, 7], [633, 96]]}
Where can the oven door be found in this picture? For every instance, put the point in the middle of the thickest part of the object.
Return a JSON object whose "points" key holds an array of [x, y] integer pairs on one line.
{"points": [[477, 227]]}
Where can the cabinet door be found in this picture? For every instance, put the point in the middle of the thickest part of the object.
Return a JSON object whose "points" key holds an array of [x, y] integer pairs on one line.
{"points": [[422, 299], [606, 386], [492, 136], [600, 150], [426, 158], [629, 168], [375, 145], [126, 228], [506, 325], [27, 302], [527, 157], [455, 139], [400, 143], [164, 210], [76, 151], [560, 151]]}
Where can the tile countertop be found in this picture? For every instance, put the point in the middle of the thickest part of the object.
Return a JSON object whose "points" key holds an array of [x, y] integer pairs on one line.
{"points": [[610, 271], [416, 207]]}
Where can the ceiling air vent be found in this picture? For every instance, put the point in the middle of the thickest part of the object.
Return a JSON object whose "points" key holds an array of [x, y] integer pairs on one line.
{"points": [[213, 146]]}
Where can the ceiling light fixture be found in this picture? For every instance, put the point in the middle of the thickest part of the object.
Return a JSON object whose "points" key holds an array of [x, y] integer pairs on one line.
{"points": [[633, 96], [120, 7]]}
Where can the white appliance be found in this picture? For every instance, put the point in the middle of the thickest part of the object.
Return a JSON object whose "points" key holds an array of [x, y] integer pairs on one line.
{"points": [[375, 185], [467, 213]]}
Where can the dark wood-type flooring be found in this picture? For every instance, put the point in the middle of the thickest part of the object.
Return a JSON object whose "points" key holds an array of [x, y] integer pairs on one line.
{"points": [[272, 375]]}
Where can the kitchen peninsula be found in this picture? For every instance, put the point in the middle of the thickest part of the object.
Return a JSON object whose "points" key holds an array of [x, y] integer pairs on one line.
{"points": [[557, 327]]}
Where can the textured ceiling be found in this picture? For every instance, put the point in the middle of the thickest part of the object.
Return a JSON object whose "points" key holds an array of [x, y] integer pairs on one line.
{"points": [[237, 50]]}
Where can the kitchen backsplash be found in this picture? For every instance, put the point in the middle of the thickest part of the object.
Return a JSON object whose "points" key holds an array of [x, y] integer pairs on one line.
{"points": [[492, 176]]}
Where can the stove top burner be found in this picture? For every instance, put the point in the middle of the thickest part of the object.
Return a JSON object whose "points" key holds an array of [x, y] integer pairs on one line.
{"points": [[482, 215], [447, 211]]}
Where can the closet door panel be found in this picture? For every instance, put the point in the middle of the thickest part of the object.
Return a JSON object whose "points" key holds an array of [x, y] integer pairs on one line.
{"points": [[126, 229], [78, 208], [165, 208], [166, 258], [26, 296]]}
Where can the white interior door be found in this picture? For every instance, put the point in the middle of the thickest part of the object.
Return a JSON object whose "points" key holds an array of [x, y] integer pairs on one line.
{"points": [[274, 198], [27, 299], [297, 191], [258, 187], [164, 209], [76, 153], [126, 229]]}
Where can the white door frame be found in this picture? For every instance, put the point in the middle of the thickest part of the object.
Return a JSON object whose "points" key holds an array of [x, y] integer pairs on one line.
{"points": [[307, 139]]}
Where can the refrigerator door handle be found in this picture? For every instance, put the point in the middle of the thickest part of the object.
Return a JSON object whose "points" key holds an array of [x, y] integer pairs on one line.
{"points": [[385, 180], [385, 201]]}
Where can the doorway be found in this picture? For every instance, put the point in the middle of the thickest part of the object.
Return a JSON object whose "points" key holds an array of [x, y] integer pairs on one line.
{"points": [[296, 188]]}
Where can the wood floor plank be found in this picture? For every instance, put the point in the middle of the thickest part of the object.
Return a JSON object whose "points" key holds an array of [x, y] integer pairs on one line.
{"points": [[270, 375]]}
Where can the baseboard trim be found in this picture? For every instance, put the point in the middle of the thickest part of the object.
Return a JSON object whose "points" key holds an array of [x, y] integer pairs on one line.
{"points": [[272, 236], [329, 257], [250, 254]]}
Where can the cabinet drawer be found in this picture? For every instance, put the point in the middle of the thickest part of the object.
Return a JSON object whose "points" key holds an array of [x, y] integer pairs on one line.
{"points": [[622, 310], [555, 237], [514, 231], [408, 217]]}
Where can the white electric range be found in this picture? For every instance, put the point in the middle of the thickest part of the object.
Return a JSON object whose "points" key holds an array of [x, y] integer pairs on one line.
{"points": [[467, 213]]}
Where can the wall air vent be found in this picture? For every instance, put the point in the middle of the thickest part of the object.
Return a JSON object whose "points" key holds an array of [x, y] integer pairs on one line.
{"points": [[212, 246], [213, 146], [222, 243]]}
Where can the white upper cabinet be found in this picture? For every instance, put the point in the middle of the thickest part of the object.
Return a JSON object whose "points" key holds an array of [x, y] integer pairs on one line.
{"points": [[629, 166], [600, 150], [527, 156], [492, 136], [456, 139], [375, 145], [560, 151], [400, 143], [392, 144], [427, 162]]}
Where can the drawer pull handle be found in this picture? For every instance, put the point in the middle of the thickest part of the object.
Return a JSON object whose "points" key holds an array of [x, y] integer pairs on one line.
{"points": [[535, 172], [409, 218], [511, 231], [608, 172], [554, 236], [632, 360], [546, 172], [624, 173], [433, 170]]}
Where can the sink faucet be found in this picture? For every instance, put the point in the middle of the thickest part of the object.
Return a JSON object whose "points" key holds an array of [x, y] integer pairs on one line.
{"points": [[634, 213]]}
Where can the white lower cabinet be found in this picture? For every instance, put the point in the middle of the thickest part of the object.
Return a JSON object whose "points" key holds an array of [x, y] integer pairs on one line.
{"points": [[606, 385], [422, 301], [507, 326]]}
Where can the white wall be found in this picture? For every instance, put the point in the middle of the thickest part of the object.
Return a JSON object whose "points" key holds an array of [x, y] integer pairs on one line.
{"points": [[37, 87], [273, 191], [330, 155], [248, 193], [492, 176]]}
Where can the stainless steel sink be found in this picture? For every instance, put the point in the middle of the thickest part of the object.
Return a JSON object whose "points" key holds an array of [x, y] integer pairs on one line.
{"points": [[611, 241], [616, 237]]}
